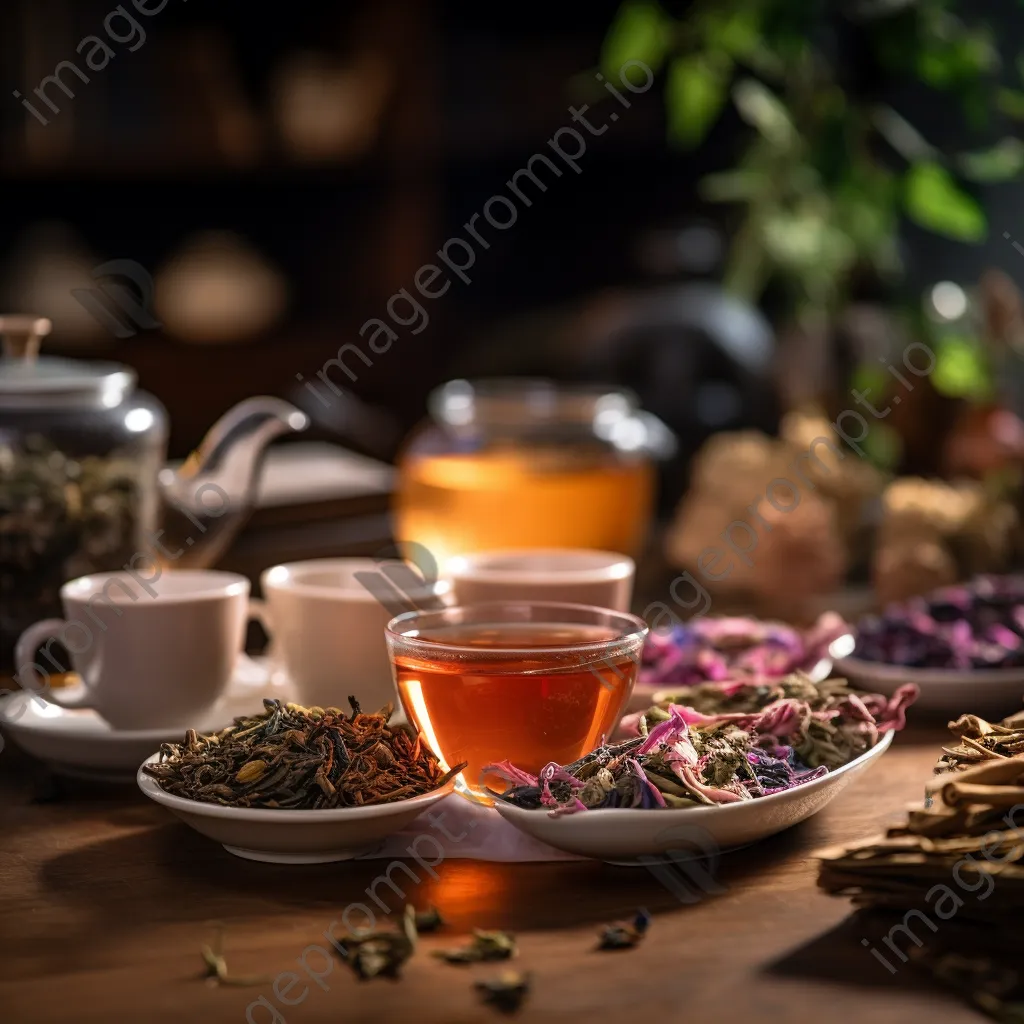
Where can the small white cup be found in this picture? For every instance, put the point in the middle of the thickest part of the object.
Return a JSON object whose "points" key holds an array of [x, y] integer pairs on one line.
{"points": [[151, 653], [572, 576], [326, 619]]}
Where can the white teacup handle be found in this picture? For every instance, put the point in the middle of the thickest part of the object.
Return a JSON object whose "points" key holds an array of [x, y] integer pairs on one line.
{"points": [[25, 668]]}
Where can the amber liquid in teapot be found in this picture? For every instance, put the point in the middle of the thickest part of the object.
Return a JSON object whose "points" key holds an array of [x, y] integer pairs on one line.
{"points": [[524, 497]]}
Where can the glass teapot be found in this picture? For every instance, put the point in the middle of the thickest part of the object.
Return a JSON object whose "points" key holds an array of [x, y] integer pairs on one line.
{"points": [[83, 485], [526, 463]]}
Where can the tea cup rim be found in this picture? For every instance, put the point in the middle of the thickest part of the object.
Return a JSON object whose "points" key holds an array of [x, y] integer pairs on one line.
{"points": [[221, 584], [286, 577], [640, 629], [607, 566]]}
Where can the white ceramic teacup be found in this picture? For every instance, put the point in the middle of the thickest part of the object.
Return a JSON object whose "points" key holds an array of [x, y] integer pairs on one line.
{"points": [[151, 653], [326, 620], [574, 576]]}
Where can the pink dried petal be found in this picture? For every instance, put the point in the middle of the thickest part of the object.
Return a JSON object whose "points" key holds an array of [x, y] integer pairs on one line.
{"points": [[511, 773]]}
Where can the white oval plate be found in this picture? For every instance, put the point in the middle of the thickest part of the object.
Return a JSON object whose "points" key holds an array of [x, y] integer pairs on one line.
{"points": [[82, 745], [293, 837], [954, 691], [621, 835]]}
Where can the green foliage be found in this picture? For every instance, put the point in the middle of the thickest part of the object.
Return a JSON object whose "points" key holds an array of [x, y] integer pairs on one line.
{"points": [[827, 170], [641, 31], [933, 200], [883, 447], [1002, 162], [695, 93], [960, 369], [763, 110]]}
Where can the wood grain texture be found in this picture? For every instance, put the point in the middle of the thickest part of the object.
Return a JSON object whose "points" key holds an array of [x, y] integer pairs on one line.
{"points": [[105, 901]]}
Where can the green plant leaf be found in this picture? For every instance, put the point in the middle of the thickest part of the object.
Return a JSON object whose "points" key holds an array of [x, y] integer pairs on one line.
{"points": [[960, 369], [1011, 103], [763, 110], [732, 186], [807, 243], [737, 33], [883, 446], [1002, 162], [694, 97], [964, 56], [933, 200], [872, 380], [641, 31]]}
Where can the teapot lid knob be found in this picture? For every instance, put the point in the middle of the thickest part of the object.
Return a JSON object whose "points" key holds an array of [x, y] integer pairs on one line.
{"points": [[22, 335]]}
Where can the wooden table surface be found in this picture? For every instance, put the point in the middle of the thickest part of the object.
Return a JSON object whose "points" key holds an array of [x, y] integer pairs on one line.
{"points": [[105, 900]]}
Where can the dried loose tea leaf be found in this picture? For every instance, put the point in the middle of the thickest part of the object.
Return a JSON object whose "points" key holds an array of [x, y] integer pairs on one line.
{"points": [[380, 953], [217, 967], [505, 992], [486, 945], [296, 758], [625, 934], [428, 921]]}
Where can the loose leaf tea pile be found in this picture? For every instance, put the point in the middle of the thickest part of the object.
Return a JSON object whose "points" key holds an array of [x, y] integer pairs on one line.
{"points": [[716, 744], [298, 758], [954, 870], [711, 650], [976, 626]]}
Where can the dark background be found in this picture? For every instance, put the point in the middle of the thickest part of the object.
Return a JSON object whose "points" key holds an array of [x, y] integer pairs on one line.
{"points": [[477, 89]]}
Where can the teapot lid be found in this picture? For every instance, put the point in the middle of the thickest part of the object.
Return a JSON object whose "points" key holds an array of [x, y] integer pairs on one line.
{"points": [[28, 380]]}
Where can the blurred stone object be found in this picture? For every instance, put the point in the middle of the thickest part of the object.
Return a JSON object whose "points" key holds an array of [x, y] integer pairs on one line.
{"points": [[218, 290], [842, 476], [48, 263], [328, 110], [935, 533], [794, 556]]}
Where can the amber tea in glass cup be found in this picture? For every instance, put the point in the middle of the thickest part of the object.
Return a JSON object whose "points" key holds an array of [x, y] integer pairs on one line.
{"points": [[525, 682]]}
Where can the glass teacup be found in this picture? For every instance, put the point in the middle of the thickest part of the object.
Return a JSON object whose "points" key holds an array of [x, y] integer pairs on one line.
{"points": [[524, 682]]}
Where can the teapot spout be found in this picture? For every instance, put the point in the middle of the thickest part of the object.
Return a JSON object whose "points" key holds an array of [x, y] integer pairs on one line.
{"points": [[207, 501]]}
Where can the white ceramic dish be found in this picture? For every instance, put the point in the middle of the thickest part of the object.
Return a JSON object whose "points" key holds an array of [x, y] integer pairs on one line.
{"points": [[83, 745], [949, 690], [638, 837], [294, 837]]}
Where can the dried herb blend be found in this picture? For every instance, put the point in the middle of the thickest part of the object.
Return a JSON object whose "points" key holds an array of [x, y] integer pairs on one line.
{"points": [[712, 650], [717, 744], [976, 626], [297, 758]]}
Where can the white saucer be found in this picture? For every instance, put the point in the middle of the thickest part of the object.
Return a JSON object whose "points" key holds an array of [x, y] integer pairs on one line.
{"points": [[83, 745], [990, 691], [646, 837], [294, 837]]}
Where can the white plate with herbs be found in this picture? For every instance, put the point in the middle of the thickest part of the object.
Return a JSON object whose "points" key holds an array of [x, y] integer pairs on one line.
{"points": [[659, 836], [948, 690], [294, 836]]}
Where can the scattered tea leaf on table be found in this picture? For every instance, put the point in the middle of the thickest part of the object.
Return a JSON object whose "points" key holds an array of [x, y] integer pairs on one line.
{"points": [[505, 992], [625, 934], [380, 953], [486, 946]]}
